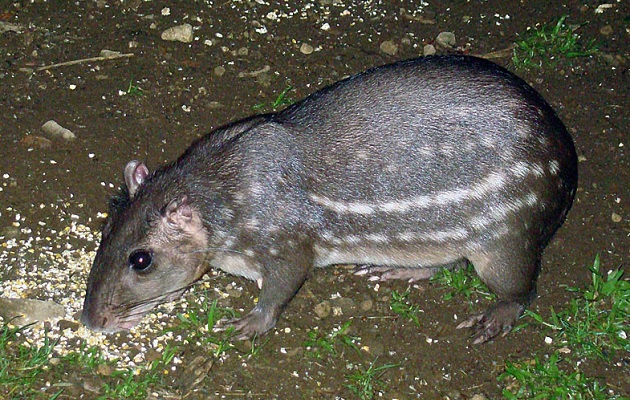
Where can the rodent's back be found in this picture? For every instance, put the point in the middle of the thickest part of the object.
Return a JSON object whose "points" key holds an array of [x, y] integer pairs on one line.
{"points": [[457, 117]]}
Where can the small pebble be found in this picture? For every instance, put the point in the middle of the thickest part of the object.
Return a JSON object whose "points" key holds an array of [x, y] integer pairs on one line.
{"points": [[428, 50], [219, 71], [446, 39], [181, 33], [306, 48], [616, 217], [389, 47]]}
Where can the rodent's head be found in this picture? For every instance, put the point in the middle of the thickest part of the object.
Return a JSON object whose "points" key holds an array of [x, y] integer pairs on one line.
{"points": [[152, 250]]}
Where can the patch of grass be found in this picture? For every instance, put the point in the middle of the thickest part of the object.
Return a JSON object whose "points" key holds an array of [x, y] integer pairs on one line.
{"points": [[133, 89], [401, 305], [549, 379], [320, 343], [365, 383], [281, 100], [550, 43], [596, 322], [200, 319], [135, 383], [86, 357], [462, 282], [21, 365]]}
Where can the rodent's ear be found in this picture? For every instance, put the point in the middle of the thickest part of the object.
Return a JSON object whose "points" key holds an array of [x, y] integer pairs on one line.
{"points": [[180, 214], [135, 174]]}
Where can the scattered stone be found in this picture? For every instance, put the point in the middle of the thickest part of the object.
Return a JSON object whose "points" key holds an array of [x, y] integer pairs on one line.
{"points": [[72, 325], [606, 30], [446, 39], [429, 50], [323, 309], [35, 141], [366, 305], [104, 369], [180, 33], [55, 130], [389, 47], [345, 304], [306, 48], [219, 71], [616, 217], [478, 397], [26, 311], [9, 27]]}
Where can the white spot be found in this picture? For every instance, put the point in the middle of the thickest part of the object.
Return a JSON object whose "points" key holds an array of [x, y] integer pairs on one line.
{"points": [[249, 253], [273, 251], [376, 238], [352, 239], [362, 155], [554, 167]]}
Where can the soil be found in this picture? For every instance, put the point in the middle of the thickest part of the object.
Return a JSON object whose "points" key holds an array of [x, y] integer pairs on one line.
{"points": [[153, 104]]}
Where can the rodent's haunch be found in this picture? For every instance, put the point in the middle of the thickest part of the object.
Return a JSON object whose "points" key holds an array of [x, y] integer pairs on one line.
{"points": [[406, 167]]}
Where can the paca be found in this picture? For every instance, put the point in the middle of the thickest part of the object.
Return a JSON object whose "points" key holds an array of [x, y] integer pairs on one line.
{"points": [[404, 169]]}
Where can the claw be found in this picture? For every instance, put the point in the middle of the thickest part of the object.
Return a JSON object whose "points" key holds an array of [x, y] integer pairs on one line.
{"points": [[499, 319], [254, 323]]}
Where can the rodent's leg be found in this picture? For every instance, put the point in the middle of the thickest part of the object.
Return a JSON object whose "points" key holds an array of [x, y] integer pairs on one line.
{"points": [[512, 278], [281, 281], [384, 273]]}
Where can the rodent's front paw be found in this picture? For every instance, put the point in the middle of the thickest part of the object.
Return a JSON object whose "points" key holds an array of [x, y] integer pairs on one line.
{"points": [[257, 322]]}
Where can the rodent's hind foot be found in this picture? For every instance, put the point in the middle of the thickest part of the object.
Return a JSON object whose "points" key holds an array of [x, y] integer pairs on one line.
{"points": [[253, 324], [410, 274], [498, 319]]}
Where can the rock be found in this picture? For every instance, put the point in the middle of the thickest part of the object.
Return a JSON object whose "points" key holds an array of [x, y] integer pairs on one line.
{"points": [[306, 48], [389, 47], [606, 30], [219, 71], [180, 33], [345, 304], [323, 309], [26, 311], [55, 130], [65, 324], [366, 305], [105, 369], [35, 141], [616, 217], [428, 50], [445, 39]]}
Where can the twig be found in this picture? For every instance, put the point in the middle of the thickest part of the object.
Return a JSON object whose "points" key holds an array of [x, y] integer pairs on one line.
{"points": [[498, 54], [84, 60]]}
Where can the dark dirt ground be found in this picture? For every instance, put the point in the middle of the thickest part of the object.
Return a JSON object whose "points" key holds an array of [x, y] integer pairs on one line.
{"points": [[183, 97]]}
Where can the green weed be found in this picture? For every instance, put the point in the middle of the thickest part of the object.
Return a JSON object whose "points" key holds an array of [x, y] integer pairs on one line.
{"points": [[364, 383], [550, 43], [549, 380], [135, 383], [21, 365], [281, 100], [596, 322], [320, 343], [199, 321], [133, 89], [462, 281], [401, 305]]}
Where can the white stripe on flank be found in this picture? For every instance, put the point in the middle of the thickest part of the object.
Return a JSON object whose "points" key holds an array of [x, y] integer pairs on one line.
{"points": [[490, 183]]}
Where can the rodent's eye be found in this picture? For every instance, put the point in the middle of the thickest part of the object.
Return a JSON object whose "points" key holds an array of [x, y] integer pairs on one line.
{"points": [[140, 260]]}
